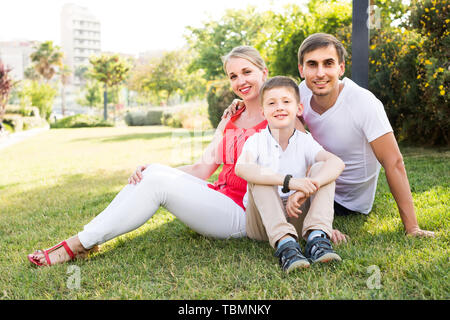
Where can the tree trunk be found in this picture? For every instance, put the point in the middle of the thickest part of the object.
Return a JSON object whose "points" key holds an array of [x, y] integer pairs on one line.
{"points": [[105, 103], [63, 101]]}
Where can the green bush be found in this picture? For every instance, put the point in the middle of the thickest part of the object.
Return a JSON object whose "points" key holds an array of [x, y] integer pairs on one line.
{"points": [[172, 119], [189, 116], [81, 121], [23, 110], [144, 118], [219, 97], [409, 73], [153, 117], [8, 127], [33, 122], [40, 95], [15, 121]]}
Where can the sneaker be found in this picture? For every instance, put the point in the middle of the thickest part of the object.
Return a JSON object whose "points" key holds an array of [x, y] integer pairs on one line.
{"points": [[319, 249], [291, 257]]}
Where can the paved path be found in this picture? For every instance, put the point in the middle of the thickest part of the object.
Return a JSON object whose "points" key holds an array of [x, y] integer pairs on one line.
{"points": [[14, 138]]}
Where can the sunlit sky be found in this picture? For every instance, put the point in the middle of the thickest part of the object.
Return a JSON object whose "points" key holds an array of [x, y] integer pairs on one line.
{"points": [[127, 26]]}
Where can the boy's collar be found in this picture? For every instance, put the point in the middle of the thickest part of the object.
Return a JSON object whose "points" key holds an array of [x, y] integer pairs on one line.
{"points": [[293, 132]]}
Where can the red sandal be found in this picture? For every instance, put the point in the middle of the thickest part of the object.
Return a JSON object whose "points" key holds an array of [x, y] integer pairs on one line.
{"points": [[46, 252]]}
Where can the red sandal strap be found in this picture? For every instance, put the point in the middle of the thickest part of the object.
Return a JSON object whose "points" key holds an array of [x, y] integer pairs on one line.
{"points": [[47, 257], [59, 245], [68, 250]]}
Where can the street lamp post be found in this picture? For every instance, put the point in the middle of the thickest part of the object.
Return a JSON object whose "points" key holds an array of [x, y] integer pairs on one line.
{"points": [[360, 43]]}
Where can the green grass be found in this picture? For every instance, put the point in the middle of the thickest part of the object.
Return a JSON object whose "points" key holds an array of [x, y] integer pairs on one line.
{"points": [[54, 183]]}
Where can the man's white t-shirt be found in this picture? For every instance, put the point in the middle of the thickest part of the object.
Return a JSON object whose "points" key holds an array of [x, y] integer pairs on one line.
{"points": [[294, 160], [346, 129]]}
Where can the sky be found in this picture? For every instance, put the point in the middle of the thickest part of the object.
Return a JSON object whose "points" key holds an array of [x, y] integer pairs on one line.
{"points": [[127, 26]]}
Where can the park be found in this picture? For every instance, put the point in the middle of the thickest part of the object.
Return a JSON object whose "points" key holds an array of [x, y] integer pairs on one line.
{"points": [[54, 182]]}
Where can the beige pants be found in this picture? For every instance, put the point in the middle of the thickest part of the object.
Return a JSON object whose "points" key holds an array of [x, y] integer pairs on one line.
{"points": [[267, 220]]}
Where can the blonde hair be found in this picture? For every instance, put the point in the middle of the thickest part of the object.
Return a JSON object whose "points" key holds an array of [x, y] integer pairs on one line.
{"points": [[247, 53]]}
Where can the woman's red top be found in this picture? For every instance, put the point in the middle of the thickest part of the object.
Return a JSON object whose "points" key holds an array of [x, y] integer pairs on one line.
{"points": [[229, 150]]}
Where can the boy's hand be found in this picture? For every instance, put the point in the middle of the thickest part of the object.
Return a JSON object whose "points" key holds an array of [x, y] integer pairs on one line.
{"points": [[305, 185], [294, 203], [232, 108]]}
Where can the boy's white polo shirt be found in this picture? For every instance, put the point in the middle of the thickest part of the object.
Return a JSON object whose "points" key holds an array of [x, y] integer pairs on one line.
{"points": [[295, 160]]}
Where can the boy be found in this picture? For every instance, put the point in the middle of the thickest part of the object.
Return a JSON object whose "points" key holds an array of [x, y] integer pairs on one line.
{"points": [[279, 156]]}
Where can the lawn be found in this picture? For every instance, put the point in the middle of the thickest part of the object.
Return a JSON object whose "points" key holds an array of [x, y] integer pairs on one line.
{"points": [[54, 183]]}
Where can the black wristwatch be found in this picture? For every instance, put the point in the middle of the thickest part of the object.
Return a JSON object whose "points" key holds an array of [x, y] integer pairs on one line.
{"points": [[286, 183]]}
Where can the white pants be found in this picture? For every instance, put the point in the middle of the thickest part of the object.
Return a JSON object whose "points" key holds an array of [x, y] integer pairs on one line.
{"points": [[201, 208]]}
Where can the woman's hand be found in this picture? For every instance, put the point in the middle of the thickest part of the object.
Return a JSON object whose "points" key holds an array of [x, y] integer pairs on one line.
{"points": [[305, 185], [137, 175], [294, 203], [232, 108]]}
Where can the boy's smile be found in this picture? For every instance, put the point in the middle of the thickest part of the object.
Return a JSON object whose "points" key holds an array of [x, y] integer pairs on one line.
{"points": [[281, 108]]}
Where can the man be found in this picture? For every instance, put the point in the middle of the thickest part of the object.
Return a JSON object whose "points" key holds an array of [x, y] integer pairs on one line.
{"points": [[350, 122]]}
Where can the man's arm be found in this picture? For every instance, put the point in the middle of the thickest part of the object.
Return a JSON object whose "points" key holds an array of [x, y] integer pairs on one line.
{"points": [[388, 154]]}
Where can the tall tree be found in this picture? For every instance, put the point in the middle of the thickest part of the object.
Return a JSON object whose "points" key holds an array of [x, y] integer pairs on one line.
{"points": [[6, 84], [47, 59], [216, 38], [65, 74], [110, 70]]}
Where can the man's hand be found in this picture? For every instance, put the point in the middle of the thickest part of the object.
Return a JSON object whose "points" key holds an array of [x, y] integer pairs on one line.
{"points": [[337, 237], [294, 203], [417, 232], [232, 108]]}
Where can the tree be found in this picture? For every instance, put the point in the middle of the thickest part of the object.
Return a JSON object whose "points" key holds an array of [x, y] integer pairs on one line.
{"points": [[81, 73], [46, 59], [65, 74], [111, 70], [295, 24], [160, 78], [167, 75], [216, 38], [40, 95], [92, 95], [6, 84]]}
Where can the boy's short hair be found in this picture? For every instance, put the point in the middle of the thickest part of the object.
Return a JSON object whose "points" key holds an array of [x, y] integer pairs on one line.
{"points": [[320, 40], [280, 82]]}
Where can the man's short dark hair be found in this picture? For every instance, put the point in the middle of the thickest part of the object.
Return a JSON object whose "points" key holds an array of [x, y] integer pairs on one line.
{"points": [[320, 40], [280, 82]]}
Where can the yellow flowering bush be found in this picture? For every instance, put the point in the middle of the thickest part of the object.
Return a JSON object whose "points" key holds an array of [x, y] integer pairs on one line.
{"points": [[410, 73]]}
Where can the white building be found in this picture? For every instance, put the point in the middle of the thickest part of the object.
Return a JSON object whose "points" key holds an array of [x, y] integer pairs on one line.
{"points": [[16, 55], [80, 36]]}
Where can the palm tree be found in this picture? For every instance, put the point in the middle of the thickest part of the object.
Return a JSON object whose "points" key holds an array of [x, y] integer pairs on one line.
{"points": [[111, 70], [46, 59], [65, 74]]}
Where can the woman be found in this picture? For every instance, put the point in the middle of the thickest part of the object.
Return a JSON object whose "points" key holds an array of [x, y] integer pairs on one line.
{"points": [[214, 210]]}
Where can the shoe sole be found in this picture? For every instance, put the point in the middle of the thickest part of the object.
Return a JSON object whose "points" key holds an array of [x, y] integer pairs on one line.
{"points": [[301, 264], [328, 257]]}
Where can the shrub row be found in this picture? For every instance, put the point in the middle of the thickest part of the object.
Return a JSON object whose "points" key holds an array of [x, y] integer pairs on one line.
{"points": [[143, 118], [81, 121], [16, 122]]}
